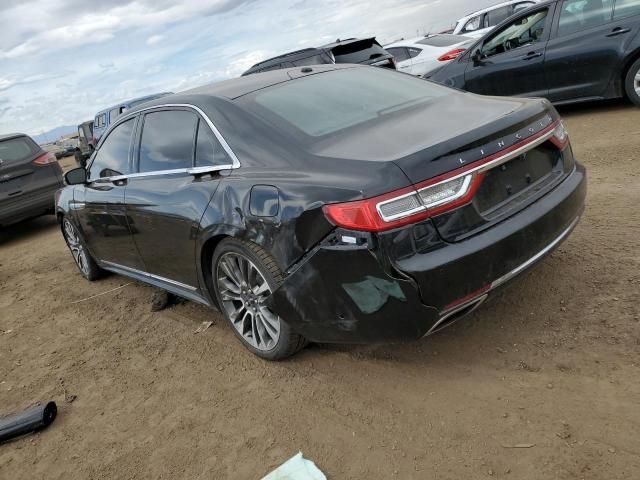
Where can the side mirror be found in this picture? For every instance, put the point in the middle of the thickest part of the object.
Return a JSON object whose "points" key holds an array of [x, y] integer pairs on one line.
{"points": [[477, 57], [76, 176]]}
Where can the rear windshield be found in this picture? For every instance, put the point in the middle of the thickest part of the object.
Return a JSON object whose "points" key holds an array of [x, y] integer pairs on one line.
{"points": [[331, 102], [442, 40], [16, 149], [358, 52]]}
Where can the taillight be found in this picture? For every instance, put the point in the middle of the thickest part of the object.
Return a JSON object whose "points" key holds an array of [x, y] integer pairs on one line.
{"points": [[452, 55], [560, 136], [45, 159], [409, 205], [434, 196]]}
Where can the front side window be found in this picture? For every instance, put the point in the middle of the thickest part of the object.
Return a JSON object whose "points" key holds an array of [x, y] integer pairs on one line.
{"points": [[400, 54], [524, 31], [209, 150], [167, 140], [473, 24], [112, 158], [578, 15], [494, 17], [626, 8]]}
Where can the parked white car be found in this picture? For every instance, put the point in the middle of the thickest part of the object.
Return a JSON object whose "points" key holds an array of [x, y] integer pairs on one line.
{"points": [[420, 55], [483, 21]]}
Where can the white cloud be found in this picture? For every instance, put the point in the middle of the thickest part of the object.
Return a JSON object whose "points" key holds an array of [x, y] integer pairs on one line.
{"points": [[152, 40], [105, 52]]}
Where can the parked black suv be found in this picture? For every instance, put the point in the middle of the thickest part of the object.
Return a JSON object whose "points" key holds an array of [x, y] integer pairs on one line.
{"points": [[365, 51]]}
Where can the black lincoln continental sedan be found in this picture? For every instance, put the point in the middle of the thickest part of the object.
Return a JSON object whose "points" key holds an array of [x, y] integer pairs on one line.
{"points": [[328, 203]]}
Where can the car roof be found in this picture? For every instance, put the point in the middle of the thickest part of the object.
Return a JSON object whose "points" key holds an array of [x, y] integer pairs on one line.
{"points": [[493, 7], [237, 87], [9, 136], [134, 100]]}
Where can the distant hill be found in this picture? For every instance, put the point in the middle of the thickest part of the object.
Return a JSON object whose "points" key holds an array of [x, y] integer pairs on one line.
{"points": [[55, 134]]}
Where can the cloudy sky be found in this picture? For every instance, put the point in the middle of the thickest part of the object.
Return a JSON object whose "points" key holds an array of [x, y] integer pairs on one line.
{"points": [[63, 60]]}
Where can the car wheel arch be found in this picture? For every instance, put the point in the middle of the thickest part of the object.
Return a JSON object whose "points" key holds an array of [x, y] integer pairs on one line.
{"points": [[628, 63]]}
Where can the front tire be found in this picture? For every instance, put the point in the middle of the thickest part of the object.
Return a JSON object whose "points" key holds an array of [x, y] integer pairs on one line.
{"points": [[89, 269], [632, 83], [244, 275]]}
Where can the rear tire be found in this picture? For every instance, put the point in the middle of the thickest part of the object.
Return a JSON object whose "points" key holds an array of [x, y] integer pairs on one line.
{"points": [[243, 276], [632, 83], [88, 267]]}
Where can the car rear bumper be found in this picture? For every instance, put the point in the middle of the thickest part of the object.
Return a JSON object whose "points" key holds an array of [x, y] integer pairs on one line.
{"points": [[359, 294], [27, 205]]}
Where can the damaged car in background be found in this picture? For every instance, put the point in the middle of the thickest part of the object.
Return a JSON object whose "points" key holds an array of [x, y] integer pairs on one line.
{"points": [[326, 204]]}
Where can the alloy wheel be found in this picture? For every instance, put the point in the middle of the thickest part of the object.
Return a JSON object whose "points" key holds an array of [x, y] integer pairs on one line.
{"points": [[636, 82], [243, 290], [76, 247]]}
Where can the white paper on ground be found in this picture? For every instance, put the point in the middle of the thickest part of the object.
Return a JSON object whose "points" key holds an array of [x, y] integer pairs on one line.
{"points": [[296, 468]]}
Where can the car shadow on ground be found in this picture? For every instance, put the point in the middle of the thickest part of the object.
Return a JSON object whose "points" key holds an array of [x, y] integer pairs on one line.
{"points": [[596, 107], [28, 228]]}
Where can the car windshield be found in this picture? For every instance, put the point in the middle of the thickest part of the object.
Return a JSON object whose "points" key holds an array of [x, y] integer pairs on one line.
{"points": [[330, 102]]}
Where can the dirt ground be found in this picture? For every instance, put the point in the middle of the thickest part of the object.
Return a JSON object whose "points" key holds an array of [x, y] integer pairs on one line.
{"points": [[543, 382]]}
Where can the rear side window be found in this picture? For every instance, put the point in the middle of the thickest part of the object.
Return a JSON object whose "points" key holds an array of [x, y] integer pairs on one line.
{"points": [[320, 105], [113, 114], [167, 140], [101, 120], [358, 52], [579, 15], [414, 52], [399, 53], [626, 8], [15, 150], [112, 158], [443, 40], [209, 150]]}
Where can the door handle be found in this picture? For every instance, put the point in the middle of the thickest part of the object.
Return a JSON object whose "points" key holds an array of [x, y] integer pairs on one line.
{"points": [[532, 55], [618, 31]]}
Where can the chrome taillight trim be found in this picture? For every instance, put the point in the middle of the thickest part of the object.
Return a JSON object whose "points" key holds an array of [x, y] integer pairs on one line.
{"points": [[390, 218], [463, 191]]}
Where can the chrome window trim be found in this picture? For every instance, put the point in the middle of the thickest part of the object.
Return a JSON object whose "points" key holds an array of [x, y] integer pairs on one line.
{"points": [[158, 173], [193, 170], [150, 275]]}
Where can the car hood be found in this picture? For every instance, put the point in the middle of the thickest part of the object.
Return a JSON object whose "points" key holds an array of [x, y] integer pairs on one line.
{"points": [[418, 138]]}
